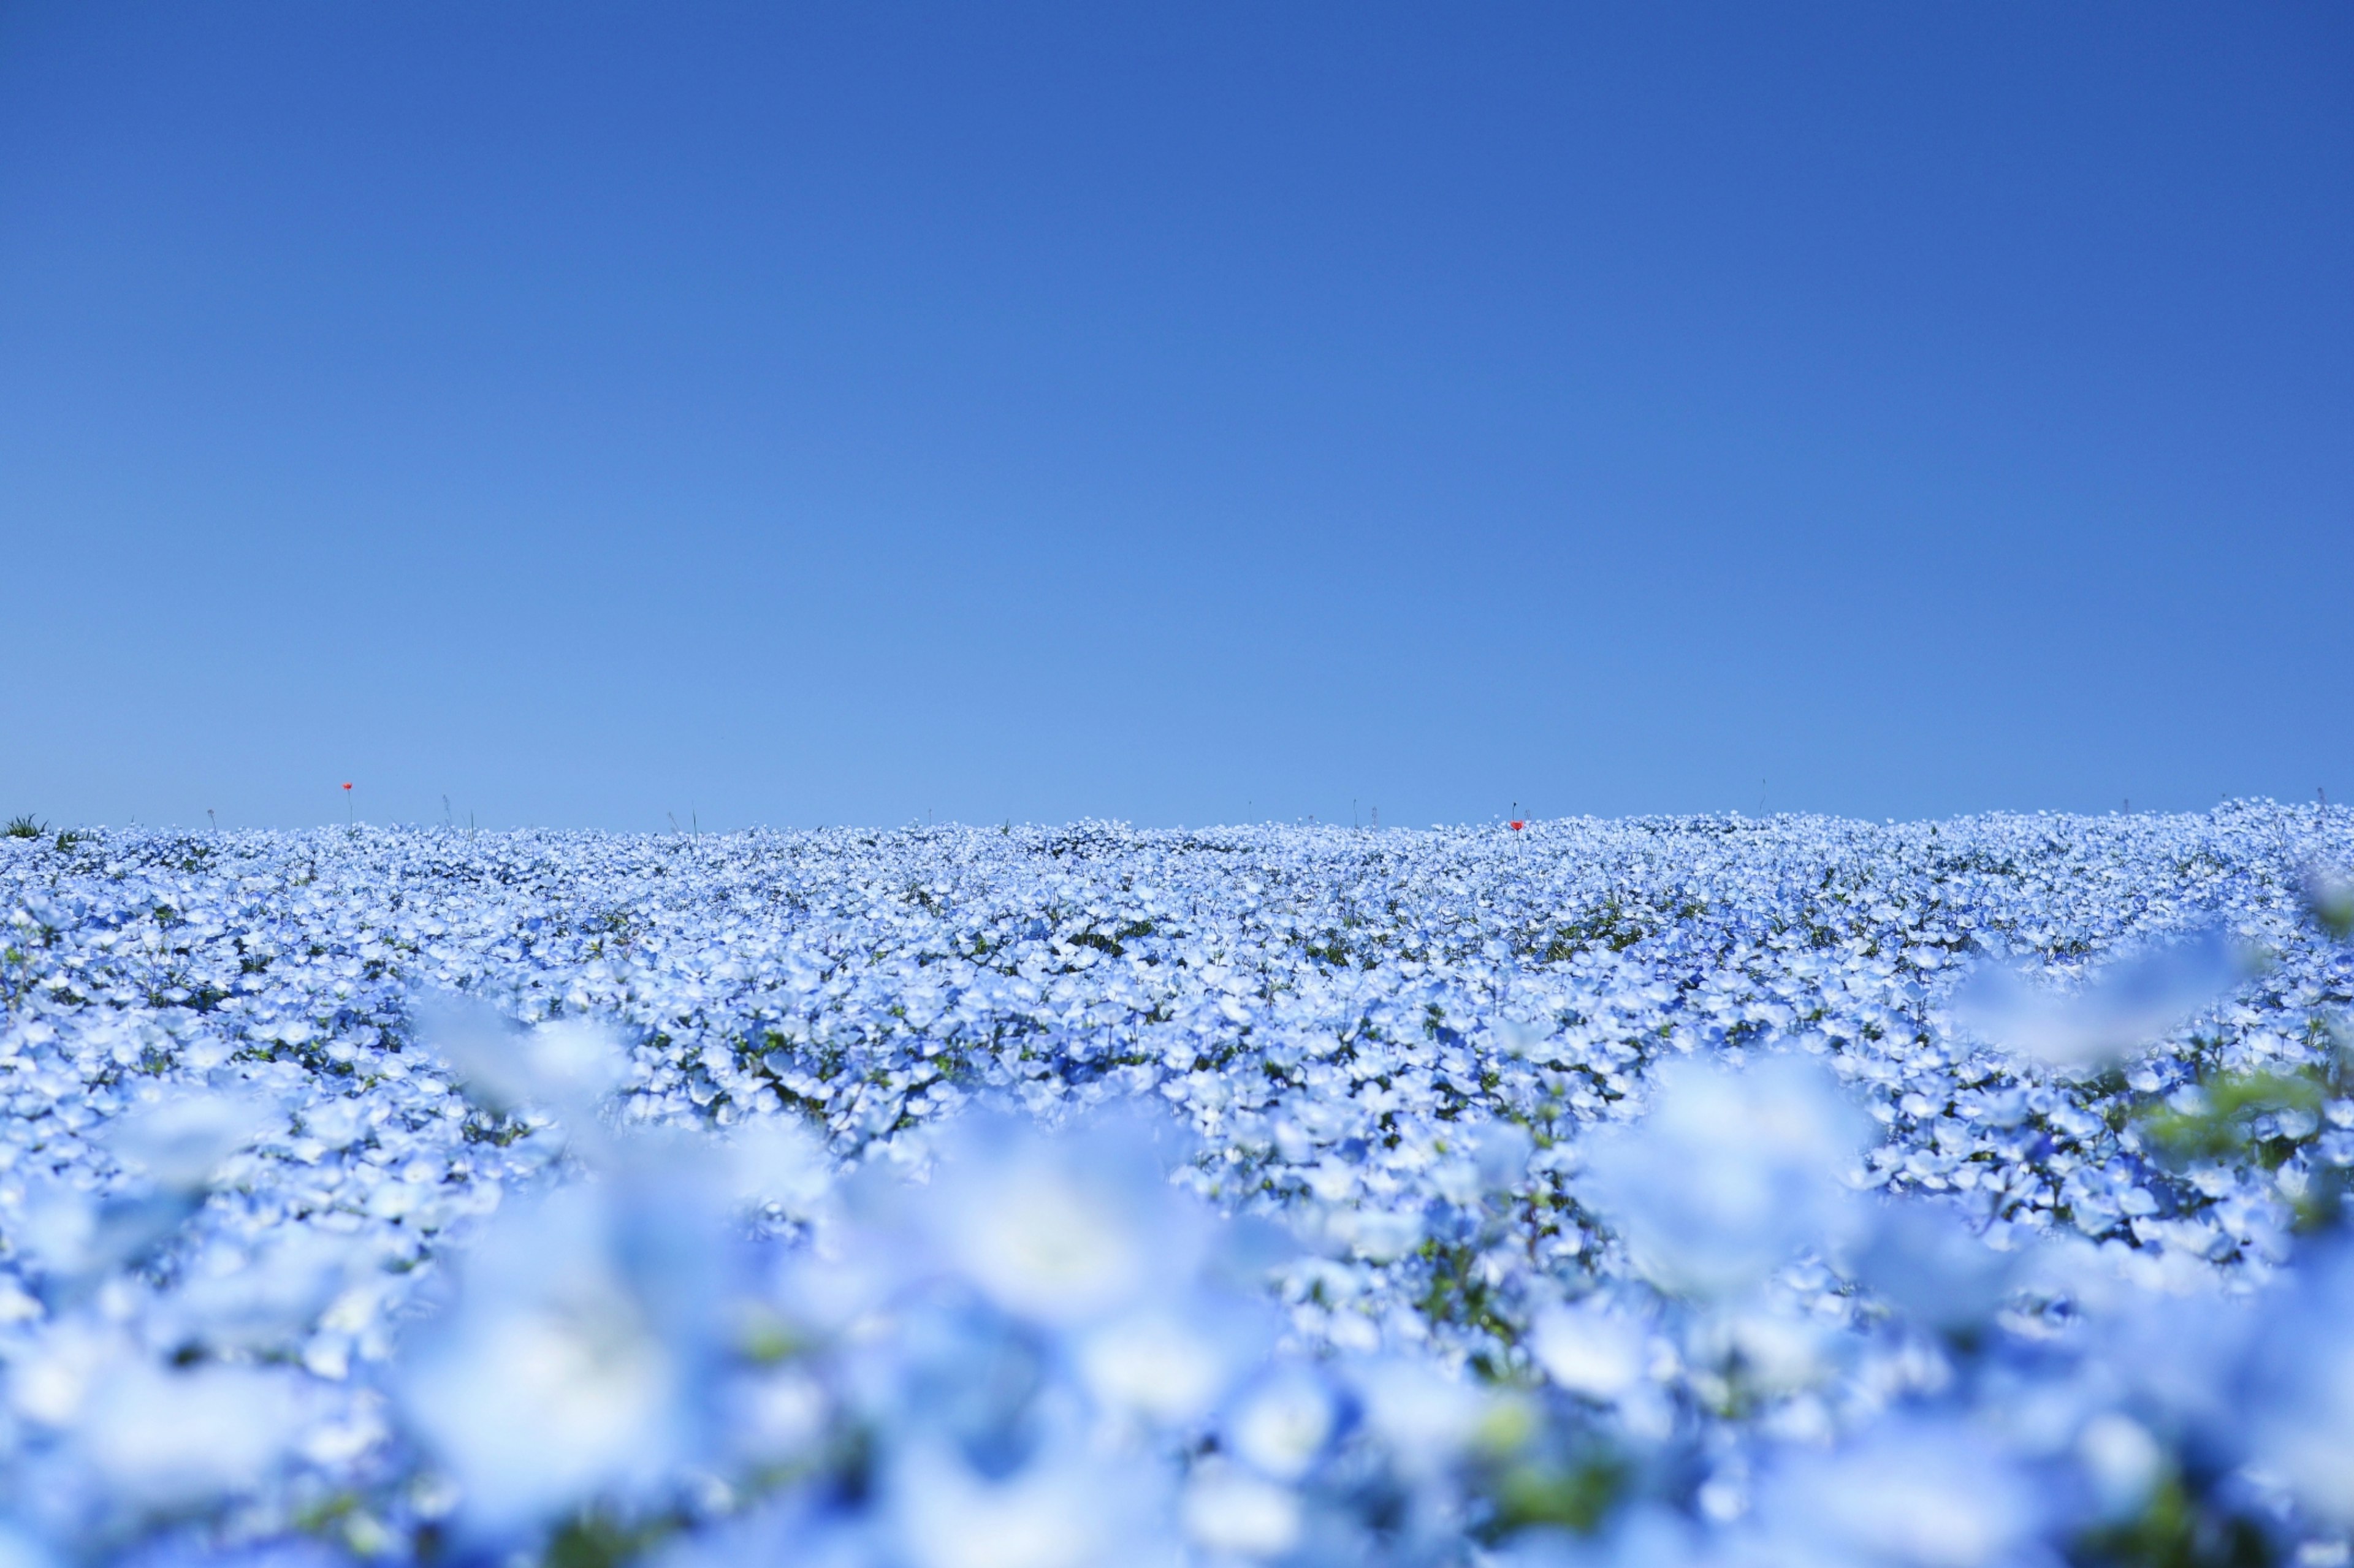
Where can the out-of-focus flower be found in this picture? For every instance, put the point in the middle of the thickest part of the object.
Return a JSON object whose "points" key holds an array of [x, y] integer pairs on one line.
{"points": [[566, 1064], [780, 1161], [1929, 1265], [1233, 1513], [1426, 1418], [558, 1379], [1729, 1174], [1904, 1494], [179, 1142], [2300, 1400], [2126, 1005], [50, 1379], [1061, 1510], [260, 1300], [1588, 1350], [1169, 1362], [1283, 1423], [172, 1148], [1377, 1236], [2124, 1462], [1066, 1229], [167, 1439]]}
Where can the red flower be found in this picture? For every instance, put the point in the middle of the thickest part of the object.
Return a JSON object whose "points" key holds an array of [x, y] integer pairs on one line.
{"points": [[347, 786], [1516, 826]]}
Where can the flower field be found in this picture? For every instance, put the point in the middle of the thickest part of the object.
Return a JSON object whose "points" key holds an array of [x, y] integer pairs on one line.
{"points": [[1655, 1191]]}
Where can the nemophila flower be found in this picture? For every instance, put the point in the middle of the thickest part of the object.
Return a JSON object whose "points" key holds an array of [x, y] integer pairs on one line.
{"points": [[2300, 1398], [1064, 1231], [164, 1439], [1932, 1266], [1910, 1493], [1066, 1510], [1425, 1419], [779, 1164], [179, 1142], [566, 1066], [2123, 1463], [1233, 1514], [1283, 1423], [1729, 1173], [557, 1378], [1172, 1361], [1590, 1350], [2329, 897], [2122, 1007], [171, 1149], [261, 1298]]}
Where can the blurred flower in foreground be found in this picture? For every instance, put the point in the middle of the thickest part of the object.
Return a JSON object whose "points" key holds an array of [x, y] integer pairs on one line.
{"points": [[1282, 1426], [170, 1149], [1061, 1510], [1588, 1350], [1909, 1493], [2303, 1394], [574, 1366], [1063, 1230], [2124, 1005], [566, 1066], [1232, 1512], [1730, 1173], [556, 1378], [1927, 1262], [173, 1438], [179, 1143]]}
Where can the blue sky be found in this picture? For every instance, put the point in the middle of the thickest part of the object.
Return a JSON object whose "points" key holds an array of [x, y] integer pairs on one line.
{"points": [[591, 412]]}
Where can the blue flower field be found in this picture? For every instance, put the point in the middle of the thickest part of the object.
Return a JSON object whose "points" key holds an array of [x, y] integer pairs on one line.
{"points": [[1674, 1190]]}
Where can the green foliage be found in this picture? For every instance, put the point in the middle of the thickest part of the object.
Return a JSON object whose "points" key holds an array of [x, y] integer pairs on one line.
{"points": [[2173, 1531], [2219, 1122], [1457, 1293], [24, 827], [596, 1538], [1575, 1496]]}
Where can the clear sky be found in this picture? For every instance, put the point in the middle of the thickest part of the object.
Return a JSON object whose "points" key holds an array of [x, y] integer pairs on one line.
{"points": [[1183, 413]]}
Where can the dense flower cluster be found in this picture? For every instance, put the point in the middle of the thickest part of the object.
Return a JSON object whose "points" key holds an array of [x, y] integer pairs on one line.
{"points": [[1699, 1190]]}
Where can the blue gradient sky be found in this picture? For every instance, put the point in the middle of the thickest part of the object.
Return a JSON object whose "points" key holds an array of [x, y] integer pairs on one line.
{"points": [[1184, 414]]}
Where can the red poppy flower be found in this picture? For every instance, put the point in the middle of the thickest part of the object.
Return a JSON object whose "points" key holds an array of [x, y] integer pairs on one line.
{"points": [[1516, 826]]}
